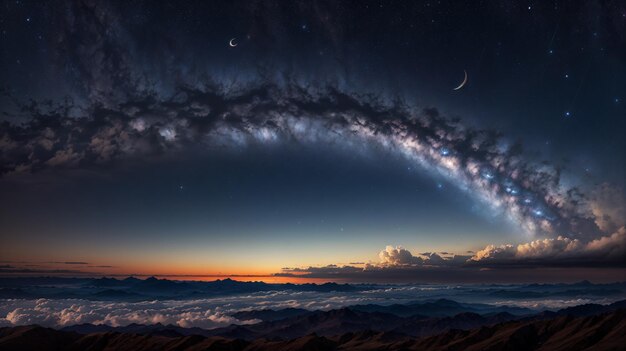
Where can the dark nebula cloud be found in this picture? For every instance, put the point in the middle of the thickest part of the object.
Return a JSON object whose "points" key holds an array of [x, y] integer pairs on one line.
{"points": [[478, 161]]}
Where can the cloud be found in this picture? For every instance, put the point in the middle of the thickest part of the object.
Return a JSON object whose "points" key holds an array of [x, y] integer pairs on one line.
{"points": [[605, 251], [60, 313], [393, 261], [609, 207], [50, 267], [72, 262], [398, 257], [216, 312], [398, 263], [13, 270], [328, 271]]}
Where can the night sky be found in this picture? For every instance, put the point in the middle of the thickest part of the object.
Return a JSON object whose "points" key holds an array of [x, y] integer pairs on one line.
{"points": [[314, 139]]}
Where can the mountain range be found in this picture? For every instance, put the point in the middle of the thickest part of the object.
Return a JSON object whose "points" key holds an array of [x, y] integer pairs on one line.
{"points": [[295, 323], [606, 331]]}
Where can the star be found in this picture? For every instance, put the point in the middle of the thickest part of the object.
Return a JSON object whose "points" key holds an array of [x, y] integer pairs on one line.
{"points": [[487, 175], [567, 114]]}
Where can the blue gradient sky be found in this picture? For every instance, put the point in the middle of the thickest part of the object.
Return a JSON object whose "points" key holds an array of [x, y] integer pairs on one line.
{"points": [[82, 82]]}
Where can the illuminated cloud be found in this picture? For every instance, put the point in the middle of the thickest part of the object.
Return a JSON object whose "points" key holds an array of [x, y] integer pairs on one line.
{"points": [[398, 256], [61, 313], [399, 263], [393, 261], [607, 250]]}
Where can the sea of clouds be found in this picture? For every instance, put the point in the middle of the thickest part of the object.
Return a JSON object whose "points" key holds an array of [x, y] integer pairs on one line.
{"points": [[216, 312]]}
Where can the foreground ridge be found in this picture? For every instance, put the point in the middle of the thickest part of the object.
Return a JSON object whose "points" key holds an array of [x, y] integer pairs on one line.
{"points": [[600, 332]]}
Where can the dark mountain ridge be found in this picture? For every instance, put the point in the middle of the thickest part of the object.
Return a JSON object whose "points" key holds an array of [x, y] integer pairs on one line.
{"points": [[349, 320], [598, 332]]}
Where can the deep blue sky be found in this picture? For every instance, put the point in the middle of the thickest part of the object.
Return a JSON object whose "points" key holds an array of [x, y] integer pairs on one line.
{"points": [[548, 75]]}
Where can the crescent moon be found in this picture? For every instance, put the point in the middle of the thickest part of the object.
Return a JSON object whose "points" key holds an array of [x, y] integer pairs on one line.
{"points": [[232, 43], [463, 82]]}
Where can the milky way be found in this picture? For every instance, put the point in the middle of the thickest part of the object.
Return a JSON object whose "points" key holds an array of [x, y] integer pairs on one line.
{"points": [[124, 105], [477, 161]]}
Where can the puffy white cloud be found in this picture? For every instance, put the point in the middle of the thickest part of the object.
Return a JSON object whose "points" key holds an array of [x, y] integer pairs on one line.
{"points": [[494, 252], [560, 246], [398, 256], [561, 250], [401, 257], [204, 313], [216, 312], [59, 313]]}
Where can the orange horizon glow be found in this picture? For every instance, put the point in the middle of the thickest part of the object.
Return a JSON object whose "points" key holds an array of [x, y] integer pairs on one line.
{"points": [[170, 272], [271, 279]]}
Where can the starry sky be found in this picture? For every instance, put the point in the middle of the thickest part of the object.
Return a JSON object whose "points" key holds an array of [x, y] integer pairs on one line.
{"points": [[324, 142]]}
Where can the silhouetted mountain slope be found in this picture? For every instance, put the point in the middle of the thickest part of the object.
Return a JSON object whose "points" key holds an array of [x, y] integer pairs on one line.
{"points": [[270, 315], [153, 329], [599, 332], [439, 308], [322, 323]]}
